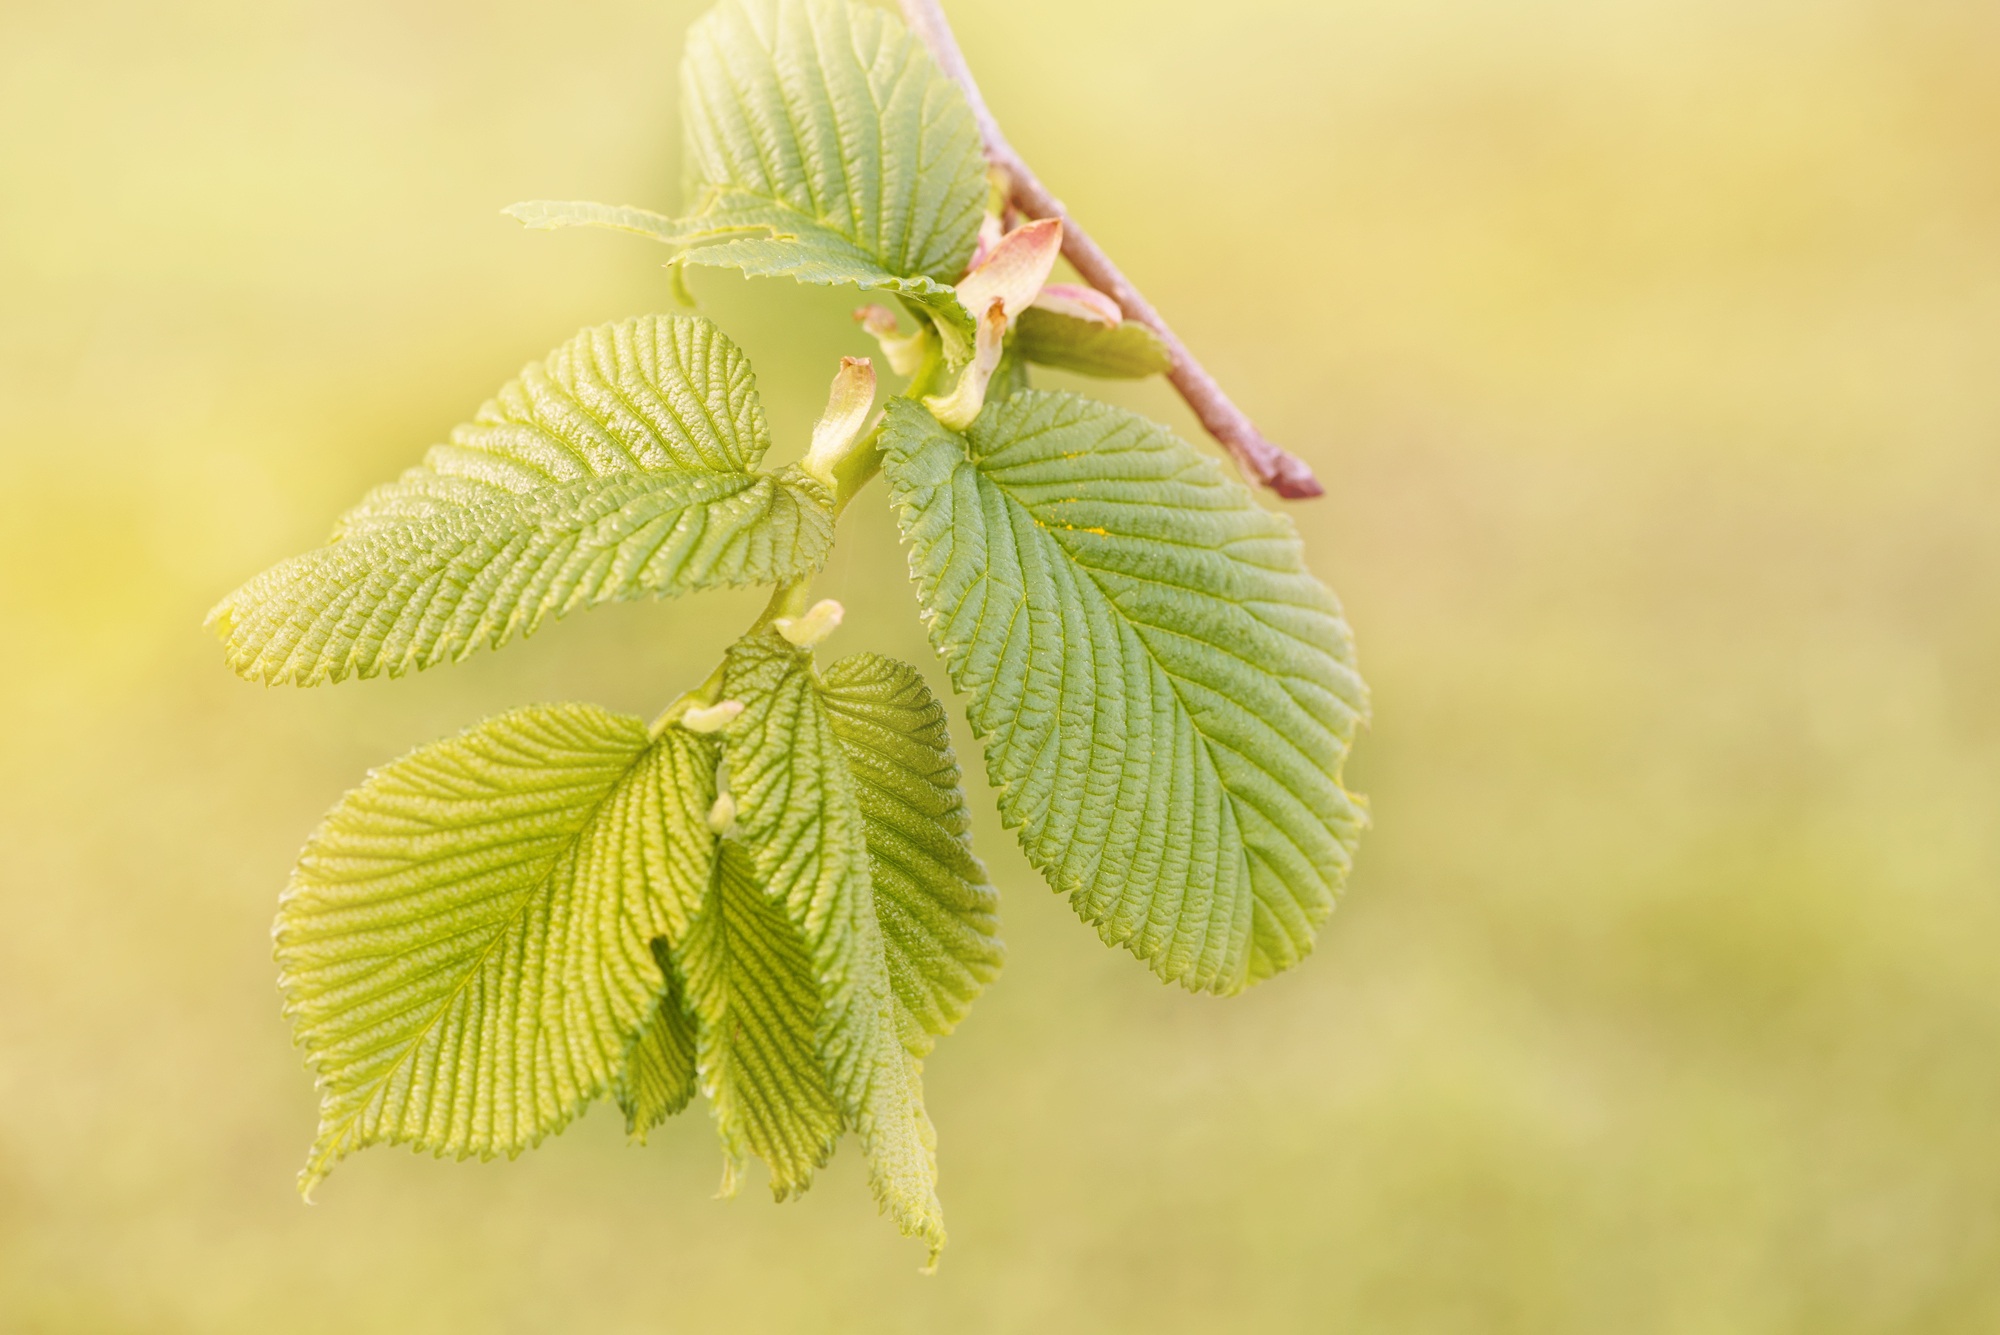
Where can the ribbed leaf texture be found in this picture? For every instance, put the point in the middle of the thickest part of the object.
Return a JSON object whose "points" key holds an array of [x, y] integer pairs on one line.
{"points": [[823, 144], [1166, 694], [756, 1000], [659, 1076], [938, 913], [619, 468], [466, 947], [1128, 351], [800, 816], [826, 121]]}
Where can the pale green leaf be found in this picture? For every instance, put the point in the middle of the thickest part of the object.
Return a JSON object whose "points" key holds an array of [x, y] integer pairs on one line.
{"points": [[546, 215], [832, 115], [938, 912], [825, 121], [466, 945], [751, 986], [1128, 351], [659, 1076], [798, 812], [1166, 694], [618, 468], [824, 145]]}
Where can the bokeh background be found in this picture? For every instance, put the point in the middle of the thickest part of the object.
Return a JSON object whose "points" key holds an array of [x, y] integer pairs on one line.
{"points": [[1650, 350]]}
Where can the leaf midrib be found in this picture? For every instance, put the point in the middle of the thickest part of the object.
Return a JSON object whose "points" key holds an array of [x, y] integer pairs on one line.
{"points": [[1172, 679], [509, 924]]}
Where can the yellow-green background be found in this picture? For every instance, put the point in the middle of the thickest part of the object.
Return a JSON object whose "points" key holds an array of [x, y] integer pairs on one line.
{"points": [[1650, 351]]}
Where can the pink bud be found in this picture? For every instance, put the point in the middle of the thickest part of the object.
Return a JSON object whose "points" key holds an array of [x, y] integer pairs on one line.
{"points": [[1080, 303], [1014, 271]]}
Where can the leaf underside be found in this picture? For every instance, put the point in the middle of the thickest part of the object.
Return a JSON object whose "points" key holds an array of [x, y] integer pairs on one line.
{"points": [[799, 815], [659, 1076], [1127, 351], [1166, 694], [619, 468], [466, 945]]}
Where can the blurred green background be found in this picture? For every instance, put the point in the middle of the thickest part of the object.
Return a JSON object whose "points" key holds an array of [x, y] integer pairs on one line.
{"points": [[1650, 350]]}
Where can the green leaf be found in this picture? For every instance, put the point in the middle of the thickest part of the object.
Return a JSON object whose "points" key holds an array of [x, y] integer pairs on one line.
{"points": [[826, 119], [1166, 694], [466, 945], [752, 988], [823, 144], [798, 812], [659, 1076], [546, 215], [619, 468], [938, 913], [1128, 351]]}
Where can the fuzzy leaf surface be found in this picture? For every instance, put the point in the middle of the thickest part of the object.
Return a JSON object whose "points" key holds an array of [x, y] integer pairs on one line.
{"points": [[619, 468], [798, 812], [466, 945], [938, 913], [1166, 694], [1128, 351]]}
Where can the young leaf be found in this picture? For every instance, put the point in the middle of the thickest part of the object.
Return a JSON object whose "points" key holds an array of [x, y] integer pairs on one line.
{"points": [[659, 1076], [756, 1001], [827, 122], [546, 215], [938, 912], [466, 945], [1165, 692], [619, 468], [798, 813], [1125, 351]]}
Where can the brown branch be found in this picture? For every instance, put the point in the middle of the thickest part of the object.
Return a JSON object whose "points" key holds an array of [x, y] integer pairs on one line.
{"points": [[1263, 461]]}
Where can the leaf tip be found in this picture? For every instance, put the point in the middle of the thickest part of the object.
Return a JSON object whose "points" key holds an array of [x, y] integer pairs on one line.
{"points": [[848, 402], [1015, 269]]}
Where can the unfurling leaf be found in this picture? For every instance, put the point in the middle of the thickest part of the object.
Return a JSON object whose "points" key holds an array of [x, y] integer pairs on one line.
{"points": [[1166, 694], [938, 913], [968, 393], [619, 468], [466, 947], [1014, 270], [848, 403], [1126, 350], [800, 816]]}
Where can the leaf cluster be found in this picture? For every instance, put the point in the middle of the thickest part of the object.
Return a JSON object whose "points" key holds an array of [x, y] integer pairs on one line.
{"points": [[768, 894]]}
